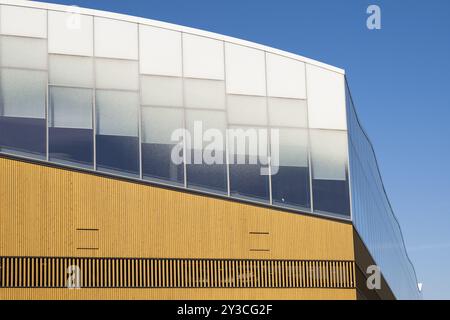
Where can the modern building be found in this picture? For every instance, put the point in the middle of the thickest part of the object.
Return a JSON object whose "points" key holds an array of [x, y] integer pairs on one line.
{"points": [[93, 195]]}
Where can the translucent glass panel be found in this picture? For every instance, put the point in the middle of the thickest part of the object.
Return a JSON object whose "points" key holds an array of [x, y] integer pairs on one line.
{"points": [[19, 52], [70, 126], [206, 167], [117, 74], [71, 71], [330, 178], [22, 112], [247, 110], [285, 77], [117, 139], [70, 33], [204, 94], [23, 93], [116, 39], [202, 57], [21, 21], [248, 150], [288, 112], [160, 51], [290, 178], [162, 153], [326, 99], [245, 69], [162, 91]]}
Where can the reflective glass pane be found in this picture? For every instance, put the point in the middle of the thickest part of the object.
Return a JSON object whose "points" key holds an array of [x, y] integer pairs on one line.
{"points": [[247, 110], [248, 163], [117, 74], [117, 141], [206, 167], [71, 70], [207, 94], [23, 52], [161, 158], [70, 126], [288, 112], [162, 91], [329, 165], [22, 112], [290, 168]]}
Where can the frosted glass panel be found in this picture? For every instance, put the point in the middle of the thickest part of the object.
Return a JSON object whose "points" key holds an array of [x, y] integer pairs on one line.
{"points": [[246, 70], [293, 147], [116, 39], [23, 93], [248, 156], [203, 57], [329, 154], [247, 110], [23, 52], [158, 163], [285, 77], [290, 179], [160, 51], [70, 33], [71, 71], [21, 21], [117, 113], [158, 124], [70, 108], [288, 112], [206, 157], [326, 99], [204, 120], [209, 94], [162, 91], [117, 74]]}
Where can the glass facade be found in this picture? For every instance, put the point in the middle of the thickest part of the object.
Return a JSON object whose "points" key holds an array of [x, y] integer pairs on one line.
{"points": [[170, 107], [373, 216]]}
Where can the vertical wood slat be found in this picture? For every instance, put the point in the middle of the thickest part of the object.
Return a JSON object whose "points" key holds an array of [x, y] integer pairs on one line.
{"points": [[28, 272]]}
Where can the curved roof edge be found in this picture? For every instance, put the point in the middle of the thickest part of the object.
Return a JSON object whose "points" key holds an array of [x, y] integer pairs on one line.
{"points": [[166, 25]]}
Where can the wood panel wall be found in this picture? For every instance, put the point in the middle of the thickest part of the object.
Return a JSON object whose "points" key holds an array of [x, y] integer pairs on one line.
{"points": [[54, 212]]}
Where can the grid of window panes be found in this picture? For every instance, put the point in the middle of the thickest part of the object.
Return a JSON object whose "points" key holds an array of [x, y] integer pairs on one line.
{"points": [[110, 95], [373, 216]]}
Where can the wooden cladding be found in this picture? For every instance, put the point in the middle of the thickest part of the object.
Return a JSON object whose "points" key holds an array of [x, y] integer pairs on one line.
{"points": [[31, 272]]}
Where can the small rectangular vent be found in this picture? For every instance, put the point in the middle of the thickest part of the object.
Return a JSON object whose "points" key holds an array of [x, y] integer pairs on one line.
{"points": [[34, 272]]}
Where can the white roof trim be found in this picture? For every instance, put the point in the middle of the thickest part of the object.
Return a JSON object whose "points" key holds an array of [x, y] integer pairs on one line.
{"points": [[170, 26]]}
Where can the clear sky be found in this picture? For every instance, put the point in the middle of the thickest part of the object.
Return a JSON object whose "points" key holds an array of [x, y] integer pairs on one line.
{"points": [[400, 81]]}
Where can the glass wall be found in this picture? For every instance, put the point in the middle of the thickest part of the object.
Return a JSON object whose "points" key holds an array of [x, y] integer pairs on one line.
{"points": [[169, 107], [23, 86], [373, 216]]}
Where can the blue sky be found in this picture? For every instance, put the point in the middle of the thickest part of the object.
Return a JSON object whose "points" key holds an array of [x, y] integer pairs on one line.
{"points": [[400, 81]]}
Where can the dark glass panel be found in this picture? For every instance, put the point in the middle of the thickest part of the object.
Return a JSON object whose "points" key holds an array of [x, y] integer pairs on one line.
{"points": [[290, 187], [72, 145], [211, 177], [157, 163], [331, 196], [119, 154], [23, 135]]}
